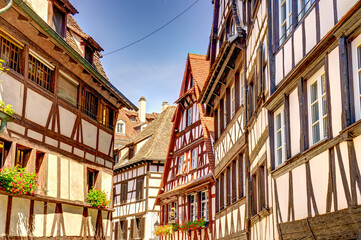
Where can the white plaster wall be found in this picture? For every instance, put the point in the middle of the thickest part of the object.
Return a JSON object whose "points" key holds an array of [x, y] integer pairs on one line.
{"points": [[335, 90], [341, 197], [310, 26], [92, 217], [76, 181], [40, 7], [19, 220], [295, 122], [65, 175], [106, 224], [38, 219], [288, 56], [326, 16], [343, 6], [35, 135], [3, 205], [319, 174], [89, 134], [279, 67], [107, 183], [298, 47], [16, 128], [37, 108], [67, 120], [300, 191], [72, 219], [104, 141], [282, 190], [357, 143], [52, 175], [15, 96]]}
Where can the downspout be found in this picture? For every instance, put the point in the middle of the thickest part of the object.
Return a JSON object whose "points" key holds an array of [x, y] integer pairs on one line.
{"points": [[9, 3]]}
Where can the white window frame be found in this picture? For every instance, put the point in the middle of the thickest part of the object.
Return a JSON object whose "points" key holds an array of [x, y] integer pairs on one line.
{"points": [[180, 164], [233, 101], [285, 23], [280, 147], [356, 66], [321, 95], [121, 122], [195, 158], [204, 205], [193, 207]]}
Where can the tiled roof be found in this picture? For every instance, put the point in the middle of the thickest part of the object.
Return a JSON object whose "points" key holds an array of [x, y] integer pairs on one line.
{"points": [[72, 26], [158, 133], [200, 68]]}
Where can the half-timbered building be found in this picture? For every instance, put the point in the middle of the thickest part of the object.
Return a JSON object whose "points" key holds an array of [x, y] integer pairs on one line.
{"points": [[65, 112], [187, 188], [314, 119], [137, 177]]}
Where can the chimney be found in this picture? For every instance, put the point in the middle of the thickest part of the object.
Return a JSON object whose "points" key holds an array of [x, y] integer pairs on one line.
{"points": [[164, 106], [141, 111]]}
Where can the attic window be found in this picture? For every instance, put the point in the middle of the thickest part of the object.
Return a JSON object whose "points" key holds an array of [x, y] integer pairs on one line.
{"points": [[88, 54], [58, 22], [131, 152]]}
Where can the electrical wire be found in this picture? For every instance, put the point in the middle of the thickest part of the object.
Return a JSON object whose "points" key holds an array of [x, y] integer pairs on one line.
{"points": [[152, 33]]}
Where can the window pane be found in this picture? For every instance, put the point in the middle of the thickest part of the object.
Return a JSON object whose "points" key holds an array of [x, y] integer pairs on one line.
{"points": [[314, 113], [279, 156], [283, 12], [279, 139], [324, 106], [278, 121], [323, 84], [316, 133], [359, 57], [359, 82], [314, 92], [325, 127]]}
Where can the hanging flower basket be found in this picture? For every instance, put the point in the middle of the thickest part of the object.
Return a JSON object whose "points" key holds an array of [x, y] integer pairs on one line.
{"points": [[18, 181]]}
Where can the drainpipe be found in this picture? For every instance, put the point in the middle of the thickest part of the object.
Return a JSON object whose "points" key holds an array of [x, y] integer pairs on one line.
{"points": [[9, 3]]}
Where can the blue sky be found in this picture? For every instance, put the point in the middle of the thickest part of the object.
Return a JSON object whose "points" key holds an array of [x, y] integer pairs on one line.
{"points": [[154, 67]]}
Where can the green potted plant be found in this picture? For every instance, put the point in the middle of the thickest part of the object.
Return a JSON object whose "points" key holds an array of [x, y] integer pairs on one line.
{"points": [[18, 181], [98, 198]]}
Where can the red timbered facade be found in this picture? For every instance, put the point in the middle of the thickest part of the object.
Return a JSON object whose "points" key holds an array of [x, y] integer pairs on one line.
{"points": [[187, 188]]}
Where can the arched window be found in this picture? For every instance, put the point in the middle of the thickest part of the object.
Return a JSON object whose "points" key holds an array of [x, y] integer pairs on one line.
{"points": [[120, 128]]}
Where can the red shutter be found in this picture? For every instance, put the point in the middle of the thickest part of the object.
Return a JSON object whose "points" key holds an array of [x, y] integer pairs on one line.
{"points": [[221, 117]]}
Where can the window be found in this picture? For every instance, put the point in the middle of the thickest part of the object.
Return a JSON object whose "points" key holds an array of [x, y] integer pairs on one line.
{"points": [[138, 227], [39, 160], [285, 19], [234, 182], [89, 104], [241, 176], [41, 74], [88, 54], [10, 53], [356, 56], [132, 119], [123, 192], [180, 164], [204, 205], [68, 89], [191, 84], [58, 21], [317, 107], [106, 116], [303, 7], [193, 207], [131, 152], [92, 177], [233, 101], [195, 158], [280, 143], [4, 150], [189, 116], [140, 188], [22, 156], [122, 230], [120, 127], [241, 88]]}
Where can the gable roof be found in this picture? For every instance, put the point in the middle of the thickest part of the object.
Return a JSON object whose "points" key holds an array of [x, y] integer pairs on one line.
{"points": [[199, 66], [158, 135]]}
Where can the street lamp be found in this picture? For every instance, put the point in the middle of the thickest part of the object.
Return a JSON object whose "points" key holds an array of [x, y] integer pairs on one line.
{"points": [[156, 224]]}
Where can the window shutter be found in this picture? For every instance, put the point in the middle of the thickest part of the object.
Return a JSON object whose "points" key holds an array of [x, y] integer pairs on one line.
{"points": [[116, 227], [234, 185], [228, 176], [68, 90], [142, 233], [237, 91], [132, 229], [222, 192], [217, 195], [221, 103], [228, 105], [240, 176], [215, 124], [125, 229]]}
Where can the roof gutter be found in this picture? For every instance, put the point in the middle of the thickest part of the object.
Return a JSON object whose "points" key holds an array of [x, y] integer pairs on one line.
{"points": [[9, 3], [76, 55]]}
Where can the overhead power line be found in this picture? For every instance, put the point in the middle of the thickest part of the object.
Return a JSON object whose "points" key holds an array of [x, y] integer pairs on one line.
{"points": [[152, 33]]}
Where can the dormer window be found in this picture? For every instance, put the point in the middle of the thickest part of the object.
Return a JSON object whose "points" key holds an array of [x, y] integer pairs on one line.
{"points": [[58, 21], [88, 54]]}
